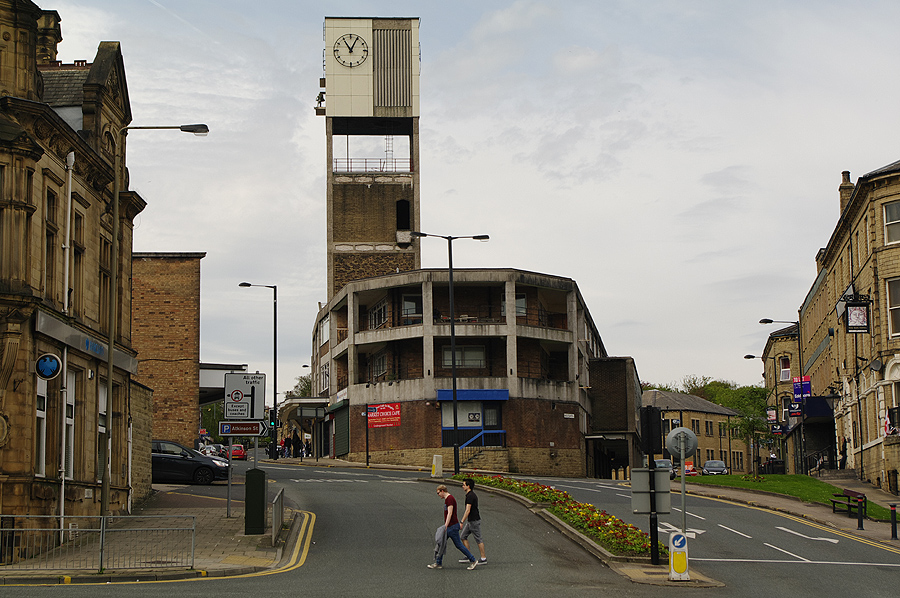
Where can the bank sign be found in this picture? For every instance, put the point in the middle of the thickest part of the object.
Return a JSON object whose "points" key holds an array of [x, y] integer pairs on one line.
{"points": [[385, 415]]}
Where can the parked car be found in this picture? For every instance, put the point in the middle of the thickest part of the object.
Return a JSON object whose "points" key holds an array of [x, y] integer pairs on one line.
{"points": [[238, 452], [666, 464], [174, 462], [714, 468]]}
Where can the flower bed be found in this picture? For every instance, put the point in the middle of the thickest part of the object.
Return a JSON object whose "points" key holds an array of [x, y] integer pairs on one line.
{"points": [[611, 533]]}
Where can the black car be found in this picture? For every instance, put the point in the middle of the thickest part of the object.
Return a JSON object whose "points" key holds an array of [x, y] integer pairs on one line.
{"points": [[714, 468], [666, 464], [173, 462]]}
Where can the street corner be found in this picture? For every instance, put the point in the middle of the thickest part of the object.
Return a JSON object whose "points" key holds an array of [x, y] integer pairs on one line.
{"points": [[658, 575]]}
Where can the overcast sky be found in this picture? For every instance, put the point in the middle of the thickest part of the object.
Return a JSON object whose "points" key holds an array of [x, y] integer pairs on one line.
{"points": [[679, 160]]}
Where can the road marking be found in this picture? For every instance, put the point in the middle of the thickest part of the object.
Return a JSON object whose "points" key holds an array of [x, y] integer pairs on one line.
{"points": [[623, 495], [793, 562], [328, 480], [790, 531], [689, 513], [734, 531], [667, 528], [786, 552]]}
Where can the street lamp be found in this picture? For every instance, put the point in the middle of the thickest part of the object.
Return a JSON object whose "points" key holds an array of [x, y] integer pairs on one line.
{"points": [[197, 129], [450, 240], [273, 433], [800, 369]]}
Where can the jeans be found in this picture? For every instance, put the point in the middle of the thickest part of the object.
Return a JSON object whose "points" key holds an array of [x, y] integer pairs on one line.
{"points": [[453, 534]]}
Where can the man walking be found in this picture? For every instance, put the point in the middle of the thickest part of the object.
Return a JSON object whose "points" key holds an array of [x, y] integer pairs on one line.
{"points": [[451, 522], [471, 520]]}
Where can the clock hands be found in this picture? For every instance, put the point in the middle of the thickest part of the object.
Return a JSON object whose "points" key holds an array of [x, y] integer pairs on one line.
{"points": [[355, 39]]}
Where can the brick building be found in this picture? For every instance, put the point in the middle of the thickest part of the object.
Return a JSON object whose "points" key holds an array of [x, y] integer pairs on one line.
{"points": [[58, 124], [524, 339], [166, 335]]}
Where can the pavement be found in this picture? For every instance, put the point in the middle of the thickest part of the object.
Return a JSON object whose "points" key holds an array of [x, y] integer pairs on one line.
{"points": [[222, 549]]}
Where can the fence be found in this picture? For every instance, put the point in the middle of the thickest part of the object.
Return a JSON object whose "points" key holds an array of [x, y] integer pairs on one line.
{"points": [[101, 543]]}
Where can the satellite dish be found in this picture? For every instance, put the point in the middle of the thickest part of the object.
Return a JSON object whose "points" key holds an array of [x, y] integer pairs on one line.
{"points": [[876, 365]]}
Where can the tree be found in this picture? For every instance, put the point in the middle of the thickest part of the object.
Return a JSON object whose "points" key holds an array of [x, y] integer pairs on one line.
{"points": [[303, 388]]}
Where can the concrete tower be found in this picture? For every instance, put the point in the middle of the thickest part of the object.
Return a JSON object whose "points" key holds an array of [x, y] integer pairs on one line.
{"points": [[370, 101]]}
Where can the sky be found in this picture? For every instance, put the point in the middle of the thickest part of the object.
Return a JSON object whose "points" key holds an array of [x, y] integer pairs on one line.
{"points": [[679, 160]]}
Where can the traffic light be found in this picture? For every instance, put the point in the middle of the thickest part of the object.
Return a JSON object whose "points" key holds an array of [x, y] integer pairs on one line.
{"points": [[651, 430], [273, 417]]}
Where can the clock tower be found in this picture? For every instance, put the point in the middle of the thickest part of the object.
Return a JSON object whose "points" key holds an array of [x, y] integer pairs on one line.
{"points": [[370, 101]]}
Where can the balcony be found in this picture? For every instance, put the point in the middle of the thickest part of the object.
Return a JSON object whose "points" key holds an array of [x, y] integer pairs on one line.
{"points": [[372, 165]]}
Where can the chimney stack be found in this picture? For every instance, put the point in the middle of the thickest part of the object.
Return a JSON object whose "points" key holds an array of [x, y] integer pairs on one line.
{"points": [[845, 190]]}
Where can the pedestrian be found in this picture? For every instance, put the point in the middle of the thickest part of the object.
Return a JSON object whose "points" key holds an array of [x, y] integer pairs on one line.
{"points": [[471, 520], [308, 448], [843, 463], [451, 522], [297, 444]]}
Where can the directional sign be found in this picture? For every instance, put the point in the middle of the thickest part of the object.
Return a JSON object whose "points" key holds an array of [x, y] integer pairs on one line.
{"points": [[245, 396], [48, 366], [678, 558], [245, 428]]}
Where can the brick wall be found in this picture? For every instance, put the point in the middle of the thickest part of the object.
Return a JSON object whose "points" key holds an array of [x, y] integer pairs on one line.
{"points": [[166, 335], [142, 430]]}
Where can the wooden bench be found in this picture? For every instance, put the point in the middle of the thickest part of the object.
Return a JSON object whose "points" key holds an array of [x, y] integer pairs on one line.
{"points": [[849, 500]]}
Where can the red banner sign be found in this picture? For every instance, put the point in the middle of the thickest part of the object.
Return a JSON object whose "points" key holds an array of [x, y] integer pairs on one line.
{"points": [[385, 415]]}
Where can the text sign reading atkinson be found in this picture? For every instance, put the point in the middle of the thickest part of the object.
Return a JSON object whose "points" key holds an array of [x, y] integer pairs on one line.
{"points": [[245, 396], [248, 428]]}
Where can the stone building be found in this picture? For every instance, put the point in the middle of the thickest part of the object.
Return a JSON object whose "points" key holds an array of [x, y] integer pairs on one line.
{"points": [[710, 422], [850, 331], [166, 335], [58, 124]]}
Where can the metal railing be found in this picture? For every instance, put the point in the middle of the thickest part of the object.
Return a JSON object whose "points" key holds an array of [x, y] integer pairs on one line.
{"points": [[277, 515], [372, 165], [101, 543], [484, 440]]}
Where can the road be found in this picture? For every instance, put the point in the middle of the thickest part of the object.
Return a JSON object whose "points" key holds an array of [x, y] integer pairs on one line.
{"points": [[759, 550], [372, 530]]}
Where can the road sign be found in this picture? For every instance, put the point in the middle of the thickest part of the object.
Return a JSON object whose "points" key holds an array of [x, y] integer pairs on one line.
{"points": [[48, 366], [678, 558], [245, 396], [243, 428], [679, 435]]}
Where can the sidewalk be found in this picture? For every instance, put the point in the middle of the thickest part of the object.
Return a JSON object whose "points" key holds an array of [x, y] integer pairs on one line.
{"points": [[221, 549]]}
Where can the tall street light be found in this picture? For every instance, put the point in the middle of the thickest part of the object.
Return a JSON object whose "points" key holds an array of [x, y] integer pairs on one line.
{"points": [[199, 130], [273, 433], [450, 240], [800, 369]]}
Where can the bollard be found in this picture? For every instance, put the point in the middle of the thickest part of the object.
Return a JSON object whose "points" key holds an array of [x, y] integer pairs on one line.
{"points": [[255, 502], [859, 512], [893, 521]]}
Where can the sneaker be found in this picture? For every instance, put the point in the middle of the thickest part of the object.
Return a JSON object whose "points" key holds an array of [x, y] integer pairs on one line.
{"points": [[472, 565], [464, 561], [435, 566], [482, 561]]}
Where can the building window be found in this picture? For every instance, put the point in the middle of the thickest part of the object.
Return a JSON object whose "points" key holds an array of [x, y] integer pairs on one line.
{"points": [[723, 430], [709, 428], [695, 426], [521, 305], [723, 456], [737, 460], [412, 309], [324, 378], [894, 305], [892, 222], [710, 454], [378, 315], [379, 365], [785, 366], [75, 284], [71, 388], [469, 356], [40, 437], [105, 253]]}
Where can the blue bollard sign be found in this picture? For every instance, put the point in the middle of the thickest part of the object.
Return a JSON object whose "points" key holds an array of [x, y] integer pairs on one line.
{"points": [[678, 557]]}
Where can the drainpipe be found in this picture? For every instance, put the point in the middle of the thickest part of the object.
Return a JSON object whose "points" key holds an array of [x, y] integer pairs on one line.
{"points": [[64, 391]]}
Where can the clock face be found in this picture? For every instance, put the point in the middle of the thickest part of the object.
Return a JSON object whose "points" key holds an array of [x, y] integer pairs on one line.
{"points": [[351, 50]]}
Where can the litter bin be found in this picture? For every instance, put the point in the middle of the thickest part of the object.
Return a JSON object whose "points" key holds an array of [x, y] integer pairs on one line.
{"points": [[776, 466]]}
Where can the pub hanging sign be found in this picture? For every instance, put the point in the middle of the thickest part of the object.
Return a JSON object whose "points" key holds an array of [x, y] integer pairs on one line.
{"points": [[856, 315]]}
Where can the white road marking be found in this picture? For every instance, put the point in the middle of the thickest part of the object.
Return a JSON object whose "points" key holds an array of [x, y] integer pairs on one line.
{"points": [[790, 531], [735, 531], [793, 562], [623, 495], [328, 480], [689, 513], [786, 552], [667, 528]]}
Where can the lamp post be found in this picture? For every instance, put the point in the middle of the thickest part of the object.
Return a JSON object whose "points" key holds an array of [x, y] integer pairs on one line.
{"points": [[273, 433], [450, 240], [800, 369], [199, 130]]}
